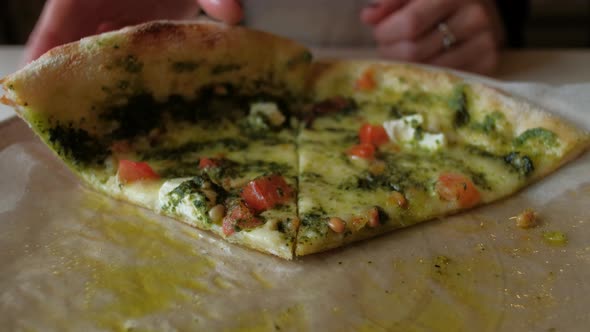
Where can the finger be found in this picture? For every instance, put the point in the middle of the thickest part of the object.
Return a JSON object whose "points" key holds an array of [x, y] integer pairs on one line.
{"points": [[469, 21], [465, 54], [116, 14], [109, 26], [377, 10], [63, 21], [414, 19], [228, 11], [412, 51], [466, 23]]}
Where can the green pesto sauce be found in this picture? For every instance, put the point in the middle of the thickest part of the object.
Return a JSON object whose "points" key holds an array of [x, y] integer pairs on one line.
{"points": [[187, 66], [211, 103], [285, 226], [130, 64], [259, 126], [458, 104], [314, 221], [77, 145], [177, 153], [193, 187], [520, 163], [417, 97], [180, 169], [336, 108], [515, 161], [184, 189], [344, 137], [412, 170], [226, 169], [489, 123], [311, 177], [142, 113], [260, 166], [538, 136], [193, 190]]}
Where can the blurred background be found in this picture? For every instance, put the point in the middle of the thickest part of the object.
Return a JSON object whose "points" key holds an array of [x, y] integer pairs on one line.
{"points": [[550, 23], [558, 23]]}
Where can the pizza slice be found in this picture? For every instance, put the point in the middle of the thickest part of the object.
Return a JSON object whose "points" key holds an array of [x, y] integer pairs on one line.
{"points": [[232, 131], [193, 121], [386, 146]]}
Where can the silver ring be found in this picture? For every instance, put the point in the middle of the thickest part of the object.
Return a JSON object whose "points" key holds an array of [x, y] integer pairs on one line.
{"points": [[449, 38]]}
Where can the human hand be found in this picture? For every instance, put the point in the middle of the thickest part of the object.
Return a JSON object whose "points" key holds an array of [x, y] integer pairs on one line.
{"points": [[64, 21], [414, 30]]}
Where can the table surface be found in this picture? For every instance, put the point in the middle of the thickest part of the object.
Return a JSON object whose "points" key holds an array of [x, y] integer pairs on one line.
{"points": [[495, 277], [555, 67]]}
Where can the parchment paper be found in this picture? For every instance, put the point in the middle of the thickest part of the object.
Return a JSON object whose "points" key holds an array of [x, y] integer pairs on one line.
{"points": [[71, 259]]}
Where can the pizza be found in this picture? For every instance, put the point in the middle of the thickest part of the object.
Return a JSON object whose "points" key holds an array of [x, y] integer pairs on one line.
{"points": [[238, 132], [405, 145], [189, 120]]}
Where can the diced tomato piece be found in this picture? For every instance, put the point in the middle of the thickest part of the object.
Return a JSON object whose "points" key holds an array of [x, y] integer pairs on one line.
{"points": [[265, 192], [367, 81], [131, 171], [207, 163], [457, 187], [239, 216], [373, 134], [363, 150]]}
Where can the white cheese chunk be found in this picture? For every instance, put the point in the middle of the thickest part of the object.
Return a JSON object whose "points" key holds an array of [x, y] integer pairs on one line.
{"points": [[186, 207], [432, 141], [403, 129], [270, 111], [189, 212], [166, 188]]}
